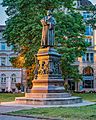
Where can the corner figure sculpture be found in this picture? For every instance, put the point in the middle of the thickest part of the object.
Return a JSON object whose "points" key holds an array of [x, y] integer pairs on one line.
{"points": [[48, 23]]}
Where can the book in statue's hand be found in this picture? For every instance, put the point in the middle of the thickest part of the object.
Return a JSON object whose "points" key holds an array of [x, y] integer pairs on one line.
{"points": [[43, 22]]}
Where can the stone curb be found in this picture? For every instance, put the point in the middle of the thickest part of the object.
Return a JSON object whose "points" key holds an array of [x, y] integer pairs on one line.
{"points": [[29, 116]]}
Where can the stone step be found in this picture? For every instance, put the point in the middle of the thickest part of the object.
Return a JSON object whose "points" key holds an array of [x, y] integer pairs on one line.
{"points": [[48, 101], [46, 80], [47, 95]]}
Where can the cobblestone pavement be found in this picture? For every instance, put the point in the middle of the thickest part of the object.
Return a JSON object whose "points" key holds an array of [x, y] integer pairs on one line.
{"points": [[5, 117]]}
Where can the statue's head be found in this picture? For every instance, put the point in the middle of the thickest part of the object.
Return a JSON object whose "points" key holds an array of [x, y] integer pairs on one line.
{"points": [[49, 12]]}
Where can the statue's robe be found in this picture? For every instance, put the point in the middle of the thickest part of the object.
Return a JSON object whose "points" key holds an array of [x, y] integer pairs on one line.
{"points": [[48, 23]]}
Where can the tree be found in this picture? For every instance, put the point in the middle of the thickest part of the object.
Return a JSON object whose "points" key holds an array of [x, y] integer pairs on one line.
{"points": [[18, 85], [23, 30], [92, 18], [72, 43]]}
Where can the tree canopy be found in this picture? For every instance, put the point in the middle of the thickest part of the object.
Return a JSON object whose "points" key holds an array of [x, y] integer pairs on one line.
{"points": [[92, 17], [23, 29]]}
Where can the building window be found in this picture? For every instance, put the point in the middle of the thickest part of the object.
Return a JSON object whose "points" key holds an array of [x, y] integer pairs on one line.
{"points": [[3, 78], [86, 15], [84, 58], [13, 78], [3, 90], [88, 30], [0, 36], [3, 46], [3, 61], [88, 57], [11, 47], [89, 40], [13, 90], [88, 71], [88, 77], [78, 3], [71, 84], [88, 84], [91, 57]]}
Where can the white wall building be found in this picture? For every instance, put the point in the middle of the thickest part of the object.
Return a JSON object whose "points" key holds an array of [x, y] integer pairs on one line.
{"points": [[9, 76]]}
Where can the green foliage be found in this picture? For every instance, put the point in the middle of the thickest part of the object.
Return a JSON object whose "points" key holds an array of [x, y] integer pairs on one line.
{"points": [[92, 11], [17, 61], [89, 8], [30, 75], [29, 84], [18, 85], [71, 37], [23, 30]]}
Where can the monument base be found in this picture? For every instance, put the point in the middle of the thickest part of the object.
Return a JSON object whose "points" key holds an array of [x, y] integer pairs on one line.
{"points": [[48, 99], [48, 84]]}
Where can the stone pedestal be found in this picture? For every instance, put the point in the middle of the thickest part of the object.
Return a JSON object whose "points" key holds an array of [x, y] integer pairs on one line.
{"points": [[48, 78], [48, 85], [48, 99]]}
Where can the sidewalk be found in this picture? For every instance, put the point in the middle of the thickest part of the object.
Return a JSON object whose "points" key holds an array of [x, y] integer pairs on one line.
{"points": [[6, 107], [9, 108], [6, 117]]}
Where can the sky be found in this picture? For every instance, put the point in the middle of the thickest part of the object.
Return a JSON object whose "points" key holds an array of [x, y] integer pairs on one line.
{"points": [[3, 15], [93, 1]]}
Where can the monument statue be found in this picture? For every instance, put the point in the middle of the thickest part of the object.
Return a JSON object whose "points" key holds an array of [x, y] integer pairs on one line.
{"points": [[48, 23], [48, 84]]}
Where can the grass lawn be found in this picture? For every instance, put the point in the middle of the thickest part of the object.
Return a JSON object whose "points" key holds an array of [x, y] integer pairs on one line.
{"points": [[75, 113], [86, 96], [7, 97]]}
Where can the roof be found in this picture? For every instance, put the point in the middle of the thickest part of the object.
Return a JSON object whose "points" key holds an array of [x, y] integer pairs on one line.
{"points": [[85, 3]]}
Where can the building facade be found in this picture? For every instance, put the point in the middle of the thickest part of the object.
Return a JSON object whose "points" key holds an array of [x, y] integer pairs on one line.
{"points": [[86, 63], [9, 75]]}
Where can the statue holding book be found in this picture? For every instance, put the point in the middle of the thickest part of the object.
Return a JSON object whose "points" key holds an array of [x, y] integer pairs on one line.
{"points": [[48, 23]]}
